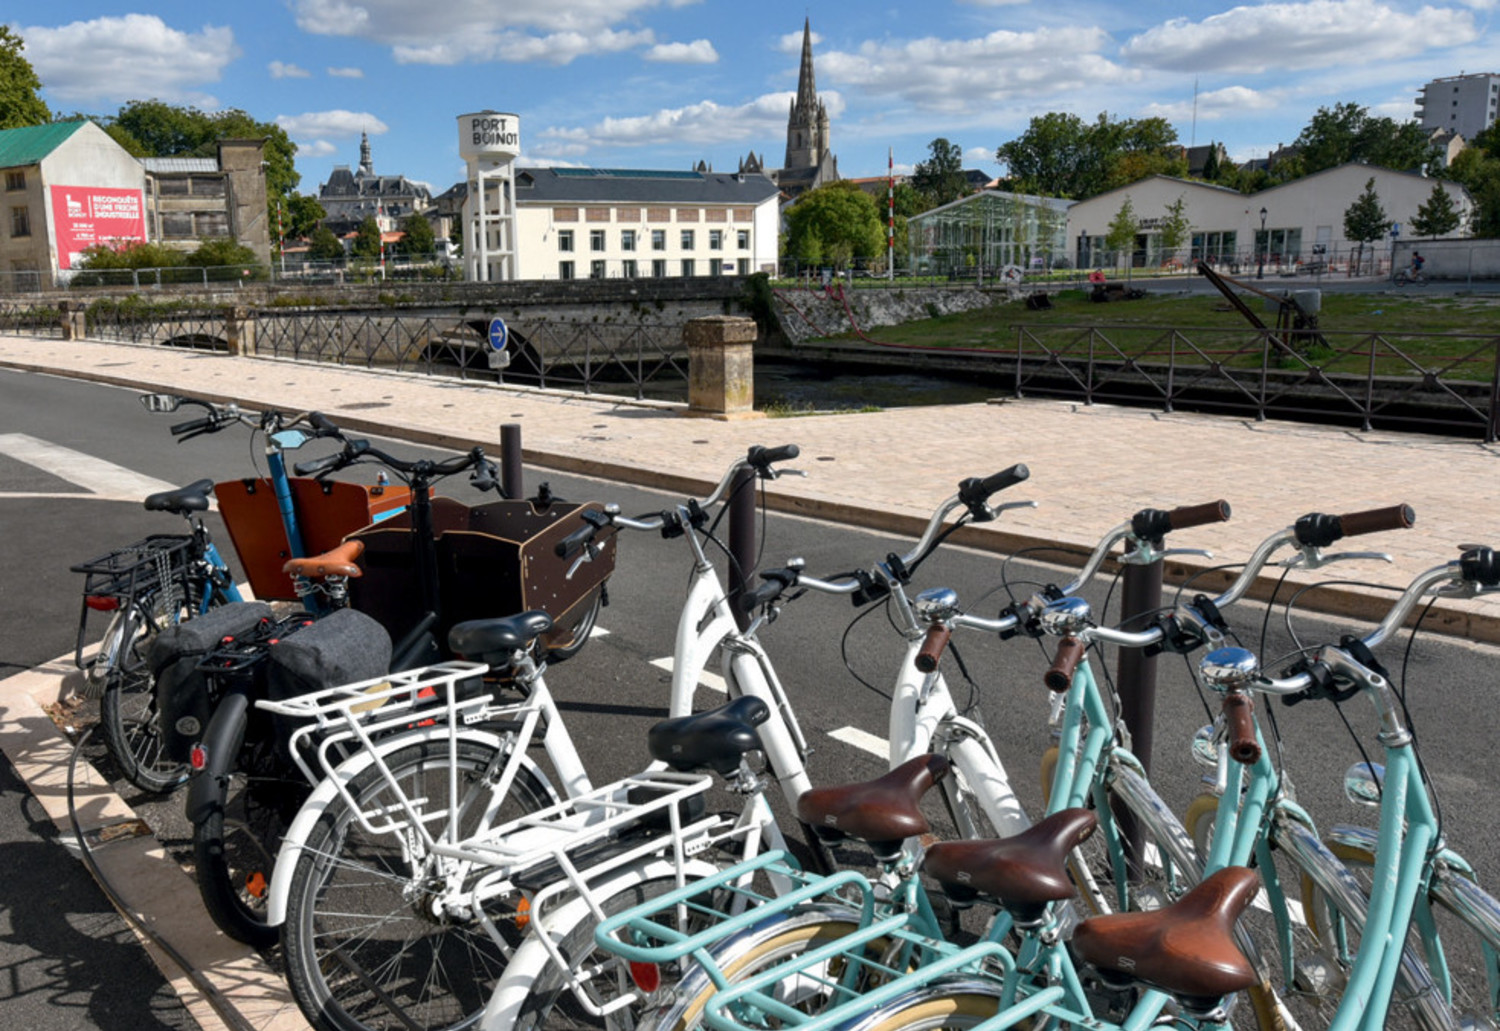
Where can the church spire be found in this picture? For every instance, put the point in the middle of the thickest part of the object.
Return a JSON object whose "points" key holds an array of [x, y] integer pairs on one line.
{"points": [[366, 166], [807, 87]]}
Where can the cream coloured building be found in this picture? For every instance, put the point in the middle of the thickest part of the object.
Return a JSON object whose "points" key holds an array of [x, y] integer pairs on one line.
{"points": [[591, 223]]}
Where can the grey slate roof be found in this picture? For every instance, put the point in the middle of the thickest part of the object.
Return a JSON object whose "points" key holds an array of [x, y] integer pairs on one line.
{"points": [[167, 165], [637, 186]]}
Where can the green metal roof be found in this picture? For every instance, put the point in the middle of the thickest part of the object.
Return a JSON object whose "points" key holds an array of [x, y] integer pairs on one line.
{"points": [[29, 145]]}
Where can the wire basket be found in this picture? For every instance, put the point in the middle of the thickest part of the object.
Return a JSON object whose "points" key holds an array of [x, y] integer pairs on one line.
{"points": [[154, 568]]}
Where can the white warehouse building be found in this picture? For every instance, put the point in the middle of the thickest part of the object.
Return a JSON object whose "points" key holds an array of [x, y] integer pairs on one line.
{"points": [[1303, 221], [582, 223]]}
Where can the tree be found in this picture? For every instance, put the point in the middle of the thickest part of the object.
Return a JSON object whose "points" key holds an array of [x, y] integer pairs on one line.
{"points": [[300, 215], [1364, 220], [419, 238], [1211, 169], [1346, 132], [1059, 155], [1477, 166], [834, 223], [220, 252], [367, 239], [19, 104], [1175, 227], [324, 245], [940, 179], [1122, 230], [137, 255], [1437, 216]]}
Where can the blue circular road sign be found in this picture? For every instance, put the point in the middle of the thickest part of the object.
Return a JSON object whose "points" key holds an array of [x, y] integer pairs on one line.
{"points": [[498, 334]]}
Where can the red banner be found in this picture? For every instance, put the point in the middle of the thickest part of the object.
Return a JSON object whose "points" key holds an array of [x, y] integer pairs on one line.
{"points": [[83, 216]]}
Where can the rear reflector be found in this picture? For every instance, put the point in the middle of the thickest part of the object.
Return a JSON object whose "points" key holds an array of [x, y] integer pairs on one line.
{"points": [[101, 602]]}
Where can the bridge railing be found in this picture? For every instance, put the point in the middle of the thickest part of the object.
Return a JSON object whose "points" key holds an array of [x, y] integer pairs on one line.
{"points": [[1433, 382], [30, 319], [157, 323]]}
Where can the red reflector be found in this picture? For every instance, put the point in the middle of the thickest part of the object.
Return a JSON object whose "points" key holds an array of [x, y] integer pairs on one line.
{"points": [[101, 603], [226, 639], [198, 757], [647, 976], [426, 693]]}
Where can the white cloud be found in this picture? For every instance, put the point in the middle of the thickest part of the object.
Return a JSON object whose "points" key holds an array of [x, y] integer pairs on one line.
{"points": [[481, 30], [791, 42], [516, 47], [1299, 36], [699, 51], [316, 149], [705, 122], [337, 123], [347, 73], [979, 155], [282, 70], [1216, 104], [129, 58], [956, 75]]}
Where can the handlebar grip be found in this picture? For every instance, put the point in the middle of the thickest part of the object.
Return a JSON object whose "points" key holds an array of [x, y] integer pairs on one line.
{"points": [[1243, 746], [1481, 565], [574, 542], [316, 466], [192, 426], [1199, 515], [1059, 675], [760, 457], [932, 648], [1396, 517], [975, 491], [766, 591], [322, 425]]}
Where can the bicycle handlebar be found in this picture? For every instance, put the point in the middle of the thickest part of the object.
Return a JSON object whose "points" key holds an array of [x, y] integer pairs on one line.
{"points": [[1316, 530], [1239, 708], [933, 644], [1059, 675]]}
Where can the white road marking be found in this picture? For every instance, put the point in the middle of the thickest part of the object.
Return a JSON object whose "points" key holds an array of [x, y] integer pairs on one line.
{"points": [[102, 478], [876, 746], [712, 681]]}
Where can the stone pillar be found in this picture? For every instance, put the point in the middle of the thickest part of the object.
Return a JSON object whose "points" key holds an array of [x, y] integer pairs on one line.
{"points": [[73, 317], [239, 331], [721, 367]]}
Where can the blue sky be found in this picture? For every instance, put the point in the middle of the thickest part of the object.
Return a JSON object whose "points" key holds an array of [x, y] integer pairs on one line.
{"points": [[667, 83]]}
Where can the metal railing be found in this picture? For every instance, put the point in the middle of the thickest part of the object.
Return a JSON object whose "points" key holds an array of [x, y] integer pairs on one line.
{"points": [[169, 325], [30, 319], [1424, 382]]}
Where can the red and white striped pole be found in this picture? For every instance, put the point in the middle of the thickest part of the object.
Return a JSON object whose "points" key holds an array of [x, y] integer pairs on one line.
{"points": [[890, 214]]}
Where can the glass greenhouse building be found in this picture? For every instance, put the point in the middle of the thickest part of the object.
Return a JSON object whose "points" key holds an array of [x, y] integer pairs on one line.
{"points": [[984, 233]]}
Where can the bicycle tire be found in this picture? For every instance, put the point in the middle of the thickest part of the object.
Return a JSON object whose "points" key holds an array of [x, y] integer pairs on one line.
{"points": [[1464, 954], [581, 632], [937, 1008], [361, 954], [127, 708], [775, 942], [236, 843]]}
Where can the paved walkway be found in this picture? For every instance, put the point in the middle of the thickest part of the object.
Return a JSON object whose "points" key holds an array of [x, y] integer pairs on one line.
{"points": [[1091, 467]]}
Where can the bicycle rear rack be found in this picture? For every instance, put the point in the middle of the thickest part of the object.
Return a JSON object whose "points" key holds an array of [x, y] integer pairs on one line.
{"points": [[154, 566]]}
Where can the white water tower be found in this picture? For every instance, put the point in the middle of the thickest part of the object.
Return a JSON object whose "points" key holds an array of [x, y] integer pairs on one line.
{"points": [[490, 142]]}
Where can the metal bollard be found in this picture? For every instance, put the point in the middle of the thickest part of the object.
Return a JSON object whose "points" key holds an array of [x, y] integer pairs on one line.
{"points": [[511, 481], [1135, 672]]}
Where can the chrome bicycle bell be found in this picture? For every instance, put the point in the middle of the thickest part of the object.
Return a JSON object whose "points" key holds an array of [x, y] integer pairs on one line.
{"points": [[1066, 616], [936, 604], [1228, 669]]}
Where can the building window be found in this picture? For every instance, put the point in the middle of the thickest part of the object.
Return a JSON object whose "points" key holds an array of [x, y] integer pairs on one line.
{"points": [[564, 270], [15, 180], [211, 223], [742, 239], [596, 270], [172, 188], [716, 268], [716, 239], [687, 239], [20, 221], [627, 239], [176, 225], [596, 239], [565, 240], [658, 239], [659, 268], [627, 268], [208, 186], [689, 267], [744, 266]]}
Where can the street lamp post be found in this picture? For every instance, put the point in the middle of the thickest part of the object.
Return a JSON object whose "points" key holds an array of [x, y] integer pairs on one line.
{"points": [[1261, 241]]}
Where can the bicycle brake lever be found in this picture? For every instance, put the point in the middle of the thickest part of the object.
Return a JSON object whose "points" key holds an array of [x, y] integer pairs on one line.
{"points": [[590, 552], [1312, 558], [1006, 506], [1200, 552], [776, 474]]}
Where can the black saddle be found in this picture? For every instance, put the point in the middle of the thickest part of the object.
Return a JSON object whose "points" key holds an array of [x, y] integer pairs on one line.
{"points": [[192, 498], [716, 738], [493, 640]]}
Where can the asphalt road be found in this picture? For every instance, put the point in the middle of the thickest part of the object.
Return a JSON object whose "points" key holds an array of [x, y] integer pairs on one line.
{"points": [[72, 960]]}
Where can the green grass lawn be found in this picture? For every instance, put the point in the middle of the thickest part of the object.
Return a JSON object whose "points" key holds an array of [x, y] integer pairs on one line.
{"points": [[1405, 332]]}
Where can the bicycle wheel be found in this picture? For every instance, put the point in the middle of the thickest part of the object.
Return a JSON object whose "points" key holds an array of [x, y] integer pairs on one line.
{"points": [[132, 730], [581, 631], [235, 845], [1467, 945], [365, 950], [777, 941], [958, 1006]]}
